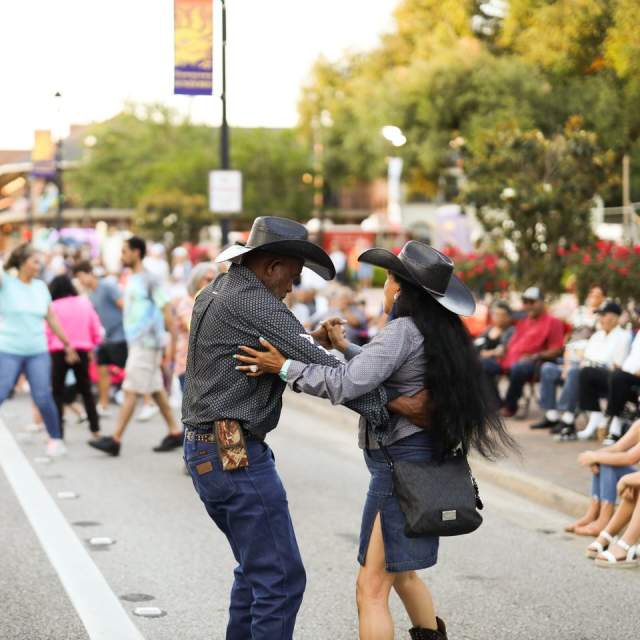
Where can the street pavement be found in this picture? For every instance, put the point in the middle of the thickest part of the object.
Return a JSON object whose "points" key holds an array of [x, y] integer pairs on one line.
{"points": [[518, 577]]}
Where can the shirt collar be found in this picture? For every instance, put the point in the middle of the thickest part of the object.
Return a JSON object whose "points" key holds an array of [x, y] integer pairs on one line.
{"points": [[238, 272]]}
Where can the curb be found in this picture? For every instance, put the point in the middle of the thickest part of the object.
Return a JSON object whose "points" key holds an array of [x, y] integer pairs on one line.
{"points": [[538, 490]]}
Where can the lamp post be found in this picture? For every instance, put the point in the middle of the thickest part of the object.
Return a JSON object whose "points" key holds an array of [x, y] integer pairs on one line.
{"points": [[224, 127], [59, 181]]}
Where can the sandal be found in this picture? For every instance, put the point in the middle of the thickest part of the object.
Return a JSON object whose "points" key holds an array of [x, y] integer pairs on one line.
{"points": [[596, 547], [609, 561]]}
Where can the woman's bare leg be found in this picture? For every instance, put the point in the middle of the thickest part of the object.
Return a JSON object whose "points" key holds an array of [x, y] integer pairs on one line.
{"points": [[595, 527], [628, 511], [590, 516], [619, 520], [416, 598], [372, 590]]}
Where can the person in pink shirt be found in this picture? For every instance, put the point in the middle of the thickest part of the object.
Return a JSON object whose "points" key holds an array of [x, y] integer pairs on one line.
{"points": [[537, 338], [82, 326]]}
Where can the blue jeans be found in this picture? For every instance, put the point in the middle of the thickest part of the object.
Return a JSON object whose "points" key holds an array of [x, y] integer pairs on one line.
{"points": [[550, 379], [37, 370], [603, 485], [250, 507], [519, 374]]}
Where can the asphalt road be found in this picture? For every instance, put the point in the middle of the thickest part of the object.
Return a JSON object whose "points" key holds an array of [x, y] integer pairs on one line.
{"points": [[518, 577]]}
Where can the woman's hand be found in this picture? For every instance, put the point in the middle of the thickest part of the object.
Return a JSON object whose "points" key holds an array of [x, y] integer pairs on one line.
{"points": [[71, 355], [257, 363], [338, 337], [622, 487], [587, 458]]}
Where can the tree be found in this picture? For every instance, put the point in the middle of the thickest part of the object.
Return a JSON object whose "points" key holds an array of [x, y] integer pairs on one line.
{"points": [[172, 216], [536, 192], [149, 156]]}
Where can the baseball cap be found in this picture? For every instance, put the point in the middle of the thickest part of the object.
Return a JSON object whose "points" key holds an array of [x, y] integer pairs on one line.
{"points": [[610, 307], [532, 293]]}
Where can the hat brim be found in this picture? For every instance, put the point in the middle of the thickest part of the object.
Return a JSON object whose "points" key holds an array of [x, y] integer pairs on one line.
{"points": [[313, 256], [457, 298]]}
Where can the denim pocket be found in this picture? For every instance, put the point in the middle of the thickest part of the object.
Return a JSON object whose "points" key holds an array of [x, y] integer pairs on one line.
{"points": [[210, 481]]}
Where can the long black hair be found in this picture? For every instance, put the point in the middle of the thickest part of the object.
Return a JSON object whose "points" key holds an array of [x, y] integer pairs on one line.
{"points": [[62, 287], [462, 406]]}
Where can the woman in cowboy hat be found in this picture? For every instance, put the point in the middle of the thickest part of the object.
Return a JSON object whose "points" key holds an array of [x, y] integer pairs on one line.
{"points": [[425, 346]]}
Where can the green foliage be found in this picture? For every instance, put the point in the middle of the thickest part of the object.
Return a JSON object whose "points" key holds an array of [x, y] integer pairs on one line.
{"points": [[433, 78], [537, 193], [172, 216], [147, 155]]}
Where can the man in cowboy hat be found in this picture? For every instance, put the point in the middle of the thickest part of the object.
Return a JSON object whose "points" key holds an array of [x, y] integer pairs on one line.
{"points": [[227, 416]]}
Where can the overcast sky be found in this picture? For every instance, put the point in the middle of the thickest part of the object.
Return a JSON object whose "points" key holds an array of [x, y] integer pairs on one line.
{"points": [[99, 53]]}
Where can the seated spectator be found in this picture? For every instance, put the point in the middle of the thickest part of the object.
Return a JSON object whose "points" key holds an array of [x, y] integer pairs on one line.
{"points": [[617, 386], [623, 551], [537, 338], [608, 465], [606, 350], [492, 344], [582, 318]]}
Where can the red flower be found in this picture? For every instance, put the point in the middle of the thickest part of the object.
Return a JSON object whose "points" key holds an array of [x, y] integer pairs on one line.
{"points": [[561, 251], [503, 284], [636, 249], [623, 271], [621, 252], [586, 259], [574, 247]]}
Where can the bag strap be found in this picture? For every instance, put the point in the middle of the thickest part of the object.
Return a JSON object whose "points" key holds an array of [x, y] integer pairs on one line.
{"points": [[385, 451]]}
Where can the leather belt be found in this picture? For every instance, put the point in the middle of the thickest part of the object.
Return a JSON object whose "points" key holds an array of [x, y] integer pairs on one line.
{"points": [[210, 436]]}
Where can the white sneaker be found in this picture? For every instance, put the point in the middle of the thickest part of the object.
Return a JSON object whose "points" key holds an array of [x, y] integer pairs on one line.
{"points": [[56, 448], [587, 435], [34, 427], [147, 412], [104, 412]]}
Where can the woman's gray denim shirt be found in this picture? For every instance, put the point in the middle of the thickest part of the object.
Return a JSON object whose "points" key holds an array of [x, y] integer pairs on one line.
{"points": [[395, 358]]}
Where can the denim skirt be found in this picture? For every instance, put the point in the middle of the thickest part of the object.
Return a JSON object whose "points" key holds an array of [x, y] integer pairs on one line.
{"points": [[401, 553]]}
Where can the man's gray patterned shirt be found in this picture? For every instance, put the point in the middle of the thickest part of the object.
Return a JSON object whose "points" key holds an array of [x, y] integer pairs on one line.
{"points": [[237, 309]]}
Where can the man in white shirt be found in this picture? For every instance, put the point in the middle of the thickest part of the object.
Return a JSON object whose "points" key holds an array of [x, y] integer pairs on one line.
{"points": [[617, 386], [603, 352]]}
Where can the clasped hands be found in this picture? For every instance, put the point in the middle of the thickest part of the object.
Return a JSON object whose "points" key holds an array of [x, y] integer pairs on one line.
{"points": [[330, 334]]}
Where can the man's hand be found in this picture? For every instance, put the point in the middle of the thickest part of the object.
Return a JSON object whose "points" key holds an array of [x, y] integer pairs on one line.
{"points": [[415, 408], [321, 334]]}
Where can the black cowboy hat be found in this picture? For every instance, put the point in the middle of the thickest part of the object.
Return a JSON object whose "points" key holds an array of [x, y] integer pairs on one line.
{"points": [[283, 237], [420, 264]]}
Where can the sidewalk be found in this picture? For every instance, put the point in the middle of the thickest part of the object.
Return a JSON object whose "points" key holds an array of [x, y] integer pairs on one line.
{"points": [[545, 472]]}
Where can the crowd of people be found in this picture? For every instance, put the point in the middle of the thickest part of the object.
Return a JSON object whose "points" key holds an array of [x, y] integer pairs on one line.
{"points": [[69, 328]]}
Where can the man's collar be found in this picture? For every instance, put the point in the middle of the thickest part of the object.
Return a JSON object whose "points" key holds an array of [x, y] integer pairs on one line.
{"points": [[244, 273]]}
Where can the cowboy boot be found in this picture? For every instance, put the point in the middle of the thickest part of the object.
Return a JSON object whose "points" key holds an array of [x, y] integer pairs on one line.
{"points": [[418, 633]]}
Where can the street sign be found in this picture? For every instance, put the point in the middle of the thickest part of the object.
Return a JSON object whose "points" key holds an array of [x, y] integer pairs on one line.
{"points": [[225, 191]]}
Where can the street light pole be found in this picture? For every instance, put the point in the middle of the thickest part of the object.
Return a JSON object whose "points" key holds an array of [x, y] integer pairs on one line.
{"points": [[224, 128], [59, 178]]}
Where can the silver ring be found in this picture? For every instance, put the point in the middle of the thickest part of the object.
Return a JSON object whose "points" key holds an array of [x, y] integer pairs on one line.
{"points": [[254, 368]]}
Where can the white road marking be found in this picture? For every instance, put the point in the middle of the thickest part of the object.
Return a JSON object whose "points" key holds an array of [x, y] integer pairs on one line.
{"points": [[99, 609]]}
